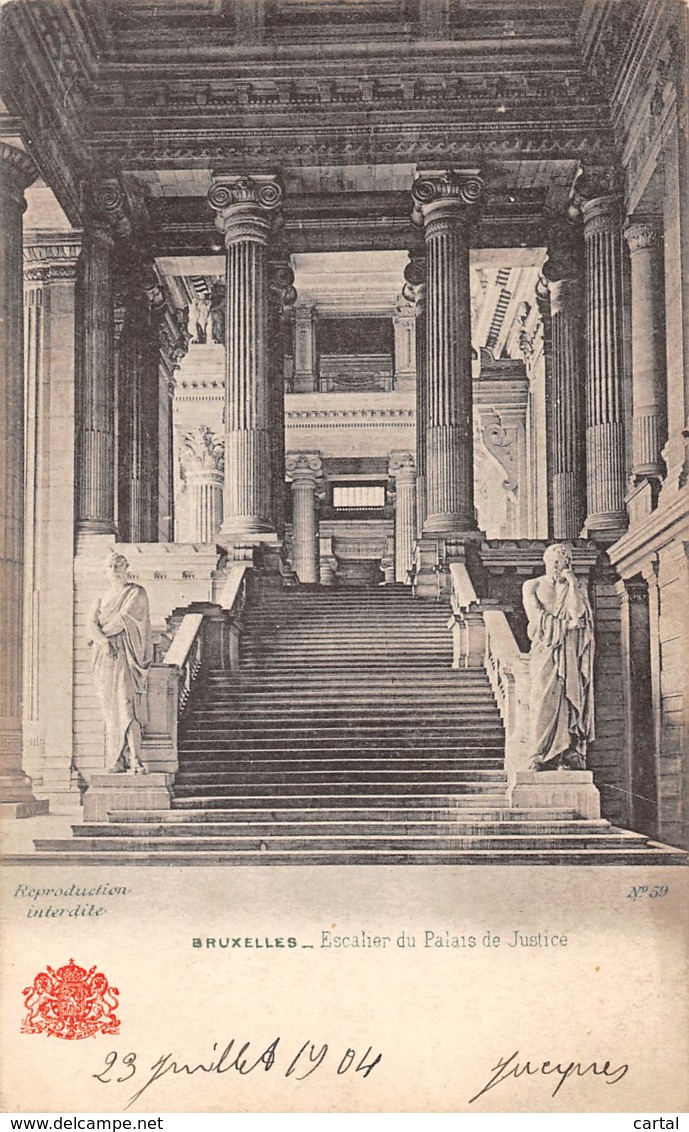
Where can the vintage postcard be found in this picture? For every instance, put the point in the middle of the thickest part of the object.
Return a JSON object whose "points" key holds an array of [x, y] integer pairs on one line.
{"points": [[345, 524]]}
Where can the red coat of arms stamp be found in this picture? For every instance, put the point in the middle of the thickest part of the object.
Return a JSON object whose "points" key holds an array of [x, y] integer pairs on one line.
{"points": [[70, 1003]]}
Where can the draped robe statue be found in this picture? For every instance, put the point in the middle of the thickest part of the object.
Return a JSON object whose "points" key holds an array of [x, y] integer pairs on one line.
{"points": [[120, 635], [561, 664]]}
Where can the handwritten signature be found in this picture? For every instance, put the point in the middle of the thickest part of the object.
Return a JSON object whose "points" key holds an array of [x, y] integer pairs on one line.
{"points": [[243, 1058], [510, 1067]]}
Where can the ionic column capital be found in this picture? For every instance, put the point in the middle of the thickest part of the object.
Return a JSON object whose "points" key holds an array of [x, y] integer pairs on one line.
{"points": [[246, 207], [17, 172], [644, 234], [596, 198], [446, 197], [107, 208], [304, 469], [402, 467]]}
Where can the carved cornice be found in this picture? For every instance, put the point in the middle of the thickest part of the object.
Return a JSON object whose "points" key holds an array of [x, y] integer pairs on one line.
{"points": [[560, 139], [480, 91]]}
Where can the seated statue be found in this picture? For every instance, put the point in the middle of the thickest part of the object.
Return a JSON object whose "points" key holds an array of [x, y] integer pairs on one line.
{"points": [[561, 664], [120, 633]]}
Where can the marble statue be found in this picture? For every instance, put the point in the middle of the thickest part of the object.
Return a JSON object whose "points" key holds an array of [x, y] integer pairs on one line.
{"points": [[561, 664], [199, 314], [120, 634]]}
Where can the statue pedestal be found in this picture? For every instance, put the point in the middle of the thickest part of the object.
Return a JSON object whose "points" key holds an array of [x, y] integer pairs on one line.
{"points": [[556, 789], [109, 792]]}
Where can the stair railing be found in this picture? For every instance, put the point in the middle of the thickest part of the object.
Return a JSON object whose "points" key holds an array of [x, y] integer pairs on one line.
{"points": [[205, 635], [483, 638]]}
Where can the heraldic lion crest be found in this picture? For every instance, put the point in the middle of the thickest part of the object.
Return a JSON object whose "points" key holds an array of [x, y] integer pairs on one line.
{"points": [[70, 1003]]}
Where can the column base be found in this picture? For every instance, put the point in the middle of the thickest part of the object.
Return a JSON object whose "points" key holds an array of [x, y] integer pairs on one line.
{"points": [[450, 524], [606, 527], [253, 530], [109, 792], [556, 789]]}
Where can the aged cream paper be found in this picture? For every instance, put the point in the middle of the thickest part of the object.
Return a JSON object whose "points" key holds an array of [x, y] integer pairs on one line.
{"points": [[407, 1028]]}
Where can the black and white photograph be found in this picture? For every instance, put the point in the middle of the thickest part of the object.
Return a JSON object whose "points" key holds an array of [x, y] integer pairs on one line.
{"points": [[344, 551]]}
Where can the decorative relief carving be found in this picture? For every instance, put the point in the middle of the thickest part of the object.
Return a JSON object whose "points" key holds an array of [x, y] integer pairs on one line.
{"points": [[263, 191], [203, 451], [500, 442], [442, 198], [470, 143], [107, 204], [465, 187], [304, 465], [17, 171]]}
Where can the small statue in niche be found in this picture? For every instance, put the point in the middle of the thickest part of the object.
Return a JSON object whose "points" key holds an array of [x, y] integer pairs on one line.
{"points": [[119, 629], [561, 664], [217, 313], [199, 313]]}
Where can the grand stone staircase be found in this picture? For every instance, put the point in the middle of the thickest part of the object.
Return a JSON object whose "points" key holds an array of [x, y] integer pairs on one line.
{"points": [[346, 738]]}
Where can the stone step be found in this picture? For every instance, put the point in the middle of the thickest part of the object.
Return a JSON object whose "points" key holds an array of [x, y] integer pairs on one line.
{"points": [[314, 800], [306, 776], [269, 788], [277, 844], [217, 696], [403, 812], [349, 680], [363, 664], [652, 854], [359, 829], [219, 763], [308, 715], [196, 747]]}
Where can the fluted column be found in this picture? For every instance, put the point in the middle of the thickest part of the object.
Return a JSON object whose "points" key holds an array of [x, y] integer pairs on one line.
{"points": [[95, 370], [138, 356], [50, 266], [281, 296], [402, 469], [246, 208], [644, 238], [203, 464], [564, 275], [17, 171], [446, 203], [415, 290], [305, 471], [606, 478]]}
